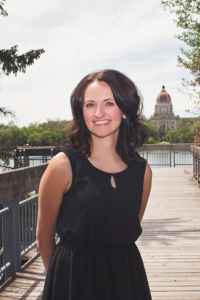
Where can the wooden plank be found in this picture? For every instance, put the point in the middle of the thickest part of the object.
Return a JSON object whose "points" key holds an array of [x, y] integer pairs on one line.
{"points": [[170, 241]]}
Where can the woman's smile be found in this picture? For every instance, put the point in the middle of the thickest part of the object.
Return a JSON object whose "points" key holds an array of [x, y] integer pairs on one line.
{"points": [[102, 122]]}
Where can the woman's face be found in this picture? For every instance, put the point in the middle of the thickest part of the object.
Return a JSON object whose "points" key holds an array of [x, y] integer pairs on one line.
{"points": [[101, 114]]}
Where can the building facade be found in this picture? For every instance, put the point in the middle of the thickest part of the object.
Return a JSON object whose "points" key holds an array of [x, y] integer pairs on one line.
{"points": [[163, 113]]}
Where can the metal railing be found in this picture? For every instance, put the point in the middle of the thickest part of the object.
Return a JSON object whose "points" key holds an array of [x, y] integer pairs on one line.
{"points": [[196, 168], [167, 158], [181, 158], [18, 222], [33, 160]]}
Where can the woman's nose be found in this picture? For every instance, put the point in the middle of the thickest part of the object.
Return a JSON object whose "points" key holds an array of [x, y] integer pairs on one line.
{"points": [[99, 112]]}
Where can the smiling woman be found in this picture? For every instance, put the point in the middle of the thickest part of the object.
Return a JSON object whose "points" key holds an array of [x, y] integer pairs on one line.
{"points": [[115, 90], [102, 115], [94, 194]]}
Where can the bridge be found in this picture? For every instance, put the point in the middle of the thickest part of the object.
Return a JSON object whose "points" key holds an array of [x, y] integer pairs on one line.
{"points": [[169, 244]]}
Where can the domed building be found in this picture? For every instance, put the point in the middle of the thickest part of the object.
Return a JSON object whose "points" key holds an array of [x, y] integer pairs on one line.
{"points": [[163, 112]]}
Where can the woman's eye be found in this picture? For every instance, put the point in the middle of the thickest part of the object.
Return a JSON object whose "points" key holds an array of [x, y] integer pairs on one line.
{"points": [[109, 103], [89, 104]]}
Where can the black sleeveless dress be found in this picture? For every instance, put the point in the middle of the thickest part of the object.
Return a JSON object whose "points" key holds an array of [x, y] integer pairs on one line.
{"points": [[96, 258]]}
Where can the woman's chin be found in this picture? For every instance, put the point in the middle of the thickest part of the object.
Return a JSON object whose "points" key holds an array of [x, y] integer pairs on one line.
{"points": [[103, 134]]}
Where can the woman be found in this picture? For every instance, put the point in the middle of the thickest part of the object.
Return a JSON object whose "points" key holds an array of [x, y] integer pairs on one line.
{"points": [[94, 194]]}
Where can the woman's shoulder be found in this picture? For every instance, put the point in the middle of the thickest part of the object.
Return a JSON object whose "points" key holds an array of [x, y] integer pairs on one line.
{"points": [[139, 166], [71, 153]]}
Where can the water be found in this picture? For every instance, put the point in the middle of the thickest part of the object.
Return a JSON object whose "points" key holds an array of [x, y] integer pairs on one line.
{"points": [[160, 158], [155, 158], [33, 161]]}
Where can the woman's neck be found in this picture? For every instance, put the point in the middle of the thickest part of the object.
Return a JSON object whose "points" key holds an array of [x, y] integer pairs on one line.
{"points": [[102, 146]]}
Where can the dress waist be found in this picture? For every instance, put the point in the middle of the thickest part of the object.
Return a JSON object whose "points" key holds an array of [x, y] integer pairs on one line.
{"points": [[91, 247]]}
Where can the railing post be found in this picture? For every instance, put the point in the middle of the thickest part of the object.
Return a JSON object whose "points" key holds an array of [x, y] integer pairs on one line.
{"points": [[174, 160], [20, 157], [36, 212], [196, 162], [1, 244], [170, 159], [147, 155], [26, 159], [17, 239], [9, 240], [15, 165], [52, 153]]}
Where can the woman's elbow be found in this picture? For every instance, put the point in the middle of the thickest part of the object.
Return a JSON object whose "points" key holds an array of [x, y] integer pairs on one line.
{"points": [[39, 242], [44, 243]]}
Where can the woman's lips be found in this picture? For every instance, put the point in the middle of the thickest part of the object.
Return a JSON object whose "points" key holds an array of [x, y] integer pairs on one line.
{"points": [[101, 123]]}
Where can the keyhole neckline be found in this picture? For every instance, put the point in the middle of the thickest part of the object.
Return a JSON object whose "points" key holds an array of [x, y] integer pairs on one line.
{"points": [[109, 173]]}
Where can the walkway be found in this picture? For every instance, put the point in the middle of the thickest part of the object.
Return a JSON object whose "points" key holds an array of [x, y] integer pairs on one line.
{"points": [[169, 244]]}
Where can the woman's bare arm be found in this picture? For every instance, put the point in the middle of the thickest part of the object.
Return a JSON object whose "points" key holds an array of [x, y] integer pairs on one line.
{"points": [[55, 181], [146, 190]]}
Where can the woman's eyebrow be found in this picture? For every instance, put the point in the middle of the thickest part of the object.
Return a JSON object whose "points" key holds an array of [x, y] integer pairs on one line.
{"points": [[103, 100]]}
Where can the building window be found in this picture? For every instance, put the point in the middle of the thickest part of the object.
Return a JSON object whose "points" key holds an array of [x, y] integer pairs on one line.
{"points": [[172, 123], [163, 109], [163, 124], [172, 127], [155, 123]]}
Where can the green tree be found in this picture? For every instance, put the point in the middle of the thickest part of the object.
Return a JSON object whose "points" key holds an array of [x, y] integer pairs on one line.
{"points": [[2, 10], [180, 135], [12, 62], [45, 138], [5, 139], [18, 136], [153, 132], [150, 140], [161, 133], [186, 122], [196, 130], [187, 17], [34, 139]]}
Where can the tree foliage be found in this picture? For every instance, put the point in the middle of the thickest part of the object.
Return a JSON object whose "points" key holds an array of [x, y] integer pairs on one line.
{"points": [[161, 133], [6, 112], [45, 134], [12, 62], [187, 17], [186, 122], [197, 133], [2, 10], [180, 135], [152, 134]]}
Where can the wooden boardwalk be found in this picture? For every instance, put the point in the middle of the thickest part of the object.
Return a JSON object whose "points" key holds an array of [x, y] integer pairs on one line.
{"points": [[169, 245]]}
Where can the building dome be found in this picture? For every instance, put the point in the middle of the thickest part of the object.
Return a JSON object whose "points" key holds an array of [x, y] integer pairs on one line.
{"points": [[163, 97]]}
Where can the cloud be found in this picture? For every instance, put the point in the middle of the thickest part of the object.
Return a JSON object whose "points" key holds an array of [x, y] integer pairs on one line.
{"points": [[80, 37]]}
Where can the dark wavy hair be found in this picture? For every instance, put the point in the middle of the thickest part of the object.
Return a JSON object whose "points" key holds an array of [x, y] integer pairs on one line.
{"points": [[132, 132]]}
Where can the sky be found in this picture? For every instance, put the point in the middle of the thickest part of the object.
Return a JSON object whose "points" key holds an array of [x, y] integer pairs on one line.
{"points": [[80, 37]]}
